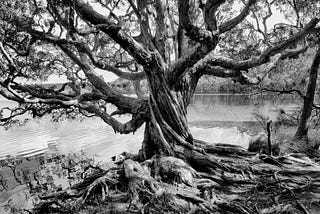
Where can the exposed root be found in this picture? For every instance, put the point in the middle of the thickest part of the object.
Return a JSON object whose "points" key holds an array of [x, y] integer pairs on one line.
{"points": [[235, 182], [101, 182]]}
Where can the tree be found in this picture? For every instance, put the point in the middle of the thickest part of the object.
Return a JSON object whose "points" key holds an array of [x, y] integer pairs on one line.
{"points": [[302, 11], [170, 43]]}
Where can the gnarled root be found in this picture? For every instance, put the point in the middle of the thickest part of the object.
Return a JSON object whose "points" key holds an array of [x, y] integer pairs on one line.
{"points": [[235, 182]]}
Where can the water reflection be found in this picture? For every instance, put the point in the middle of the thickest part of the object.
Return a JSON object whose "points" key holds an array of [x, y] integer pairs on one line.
{"points": [[208, 116], [238, 108]]}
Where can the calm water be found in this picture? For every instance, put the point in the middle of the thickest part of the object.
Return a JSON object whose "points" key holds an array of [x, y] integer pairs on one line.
{"points": [[213, 118]]}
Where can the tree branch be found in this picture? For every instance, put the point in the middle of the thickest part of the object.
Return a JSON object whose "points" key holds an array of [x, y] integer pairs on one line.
{"points": [[108, 67], [124, 75], [161, 33], [195, 33], [283, 91], [264, 57], [123, 103], [228, 25], [115, 31], [208, 37], [126, 128], [188, 60], [238, 75]]}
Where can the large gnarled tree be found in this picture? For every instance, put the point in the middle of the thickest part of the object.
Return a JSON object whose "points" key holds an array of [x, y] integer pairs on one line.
{"points": [[171, 44]]}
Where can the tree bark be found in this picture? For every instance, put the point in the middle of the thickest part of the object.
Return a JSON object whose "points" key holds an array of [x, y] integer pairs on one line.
{"points": [[302, 130], [168, 128]]}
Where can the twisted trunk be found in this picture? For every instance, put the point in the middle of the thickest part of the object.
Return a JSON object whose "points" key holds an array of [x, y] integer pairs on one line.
{"points": [[167, 131]]}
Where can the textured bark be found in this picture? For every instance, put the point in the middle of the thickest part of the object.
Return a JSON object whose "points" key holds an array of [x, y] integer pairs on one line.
{"points": [[168, 126]]}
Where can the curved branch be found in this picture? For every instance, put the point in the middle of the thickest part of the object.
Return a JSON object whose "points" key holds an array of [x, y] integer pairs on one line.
{"points": [[115, 31], [14, 113], [35, 110], [238, 75], [37, 99], [197, 34], [208, 37], [228, 25], [258, 28], [86, 49], [126, 128], [229, 63], [113, 69], [118, 72], [123, 103], [209, 13], [282, 91], [265, 18], [12, 64], [188, 60], [8, 96]]}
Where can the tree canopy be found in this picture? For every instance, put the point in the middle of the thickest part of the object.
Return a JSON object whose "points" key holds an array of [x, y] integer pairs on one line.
{"points": [[176, 41]]}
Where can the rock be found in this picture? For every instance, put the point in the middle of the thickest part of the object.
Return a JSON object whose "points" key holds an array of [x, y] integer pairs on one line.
{"points": [[259, 144]]}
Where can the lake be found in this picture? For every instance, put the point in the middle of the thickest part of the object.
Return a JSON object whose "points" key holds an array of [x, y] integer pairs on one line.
{"points": [[37, 153], [213, 118]]}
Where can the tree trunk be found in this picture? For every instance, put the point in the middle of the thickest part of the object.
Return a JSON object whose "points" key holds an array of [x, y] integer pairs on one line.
{"points": [[302, 130], [167, 132]]}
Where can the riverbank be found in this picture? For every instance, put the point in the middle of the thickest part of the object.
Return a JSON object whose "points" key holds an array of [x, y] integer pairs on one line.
{"points": [[242, 182]]}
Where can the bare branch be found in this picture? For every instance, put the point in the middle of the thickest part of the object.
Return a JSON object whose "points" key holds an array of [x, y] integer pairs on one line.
{"points": [[126, 128], [282, 91], [7, 56], [265, 18], [13, 113], [36, 99], [258, 26]]}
